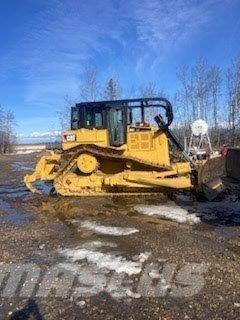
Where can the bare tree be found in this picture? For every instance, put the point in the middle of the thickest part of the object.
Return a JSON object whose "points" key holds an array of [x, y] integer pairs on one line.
{"points": [[64, 115], [198, 95], [201, 88], [149, 90], [214, 81], [199, 91], [89, 87], [132, 92], [185, 95], [7, 123], [89, 91], [233, 94], [112, 90]]}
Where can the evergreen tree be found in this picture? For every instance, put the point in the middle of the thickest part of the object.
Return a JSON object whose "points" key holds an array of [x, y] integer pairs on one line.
{"points": [[112, 90]]}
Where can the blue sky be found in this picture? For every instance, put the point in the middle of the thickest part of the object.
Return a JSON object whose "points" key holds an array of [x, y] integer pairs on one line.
{"points": [[45, 43]]}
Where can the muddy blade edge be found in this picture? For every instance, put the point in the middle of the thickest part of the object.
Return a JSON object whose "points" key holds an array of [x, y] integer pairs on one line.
{"points": [[210, 177]]}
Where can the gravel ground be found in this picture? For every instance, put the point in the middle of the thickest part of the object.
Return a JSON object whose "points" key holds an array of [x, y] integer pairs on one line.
{"points": [[141, 257]]}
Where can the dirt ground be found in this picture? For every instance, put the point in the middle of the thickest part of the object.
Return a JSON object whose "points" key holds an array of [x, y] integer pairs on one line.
{"points": [[118, 250]]}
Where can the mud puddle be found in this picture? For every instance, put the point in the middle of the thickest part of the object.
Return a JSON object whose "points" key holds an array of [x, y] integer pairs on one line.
{"points": [[21, 166], [225, 214], [182, 210], [8, 214], [13, 191]]}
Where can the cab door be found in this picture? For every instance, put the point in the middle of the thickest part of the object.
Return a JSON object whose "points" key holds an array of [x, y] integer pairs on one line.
{"points": [[116, 123]]}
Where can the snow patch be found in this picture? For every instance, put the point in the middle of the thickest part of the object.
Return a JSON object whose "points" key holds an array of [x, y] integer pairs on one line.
{"points": [[132, 294], [113, 231], [154, 274], [110, 260], [104, 260], [100, 270], [142, 257], [99, 244], [175, 213], [26, 151]]}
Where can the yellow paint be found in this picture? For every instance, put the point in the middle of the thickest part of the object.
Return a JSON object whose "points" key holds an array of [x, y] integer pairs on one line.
{"points": [[99, 176], [144, 144], [148, 145], [86, 136], [87, 163]]}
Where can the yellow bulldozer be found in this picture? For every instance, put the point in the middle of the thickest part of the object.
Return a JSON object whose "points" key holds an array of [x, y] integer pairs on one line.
{"points": [[113, 148]]}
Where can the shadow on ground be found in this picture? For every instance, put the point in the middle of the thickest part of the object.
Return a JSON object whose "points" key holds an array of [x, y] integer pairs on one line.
{"points": [[30, 311]]}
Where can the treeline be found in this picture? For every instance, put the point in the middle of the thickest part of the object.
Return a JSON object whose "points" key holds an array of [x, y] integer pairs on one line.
{"points": [[203, 91], [213, 94], [7, 122]]}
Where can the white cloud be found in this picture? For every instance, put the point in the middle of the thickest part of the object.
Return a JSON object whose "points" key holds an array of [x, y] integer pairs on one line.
{"points": [[166, 25], [170, 21], [64, 35], [59, 40], [67, 35]]}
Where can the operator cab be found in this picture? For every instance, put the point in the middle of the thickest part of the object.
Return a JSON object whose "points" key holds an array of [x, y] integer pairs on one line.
{"points": [[117, 116]]}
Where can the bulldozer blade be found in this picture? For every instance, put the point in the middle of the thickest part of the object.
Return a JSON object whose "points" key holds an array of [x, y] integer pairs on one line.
{"points": [[29, 180], [232, 179], [210, 177]]}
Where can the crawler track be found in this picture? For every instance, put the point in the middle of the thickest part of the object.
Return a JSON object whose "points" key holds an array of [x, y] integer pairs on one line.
{"points": [[70, 158]]}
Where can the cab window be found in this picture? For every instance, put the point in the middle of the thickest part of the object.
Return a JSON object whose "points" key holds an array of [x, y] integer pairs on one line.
{"points": [[75, 119], [94, 119]]}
